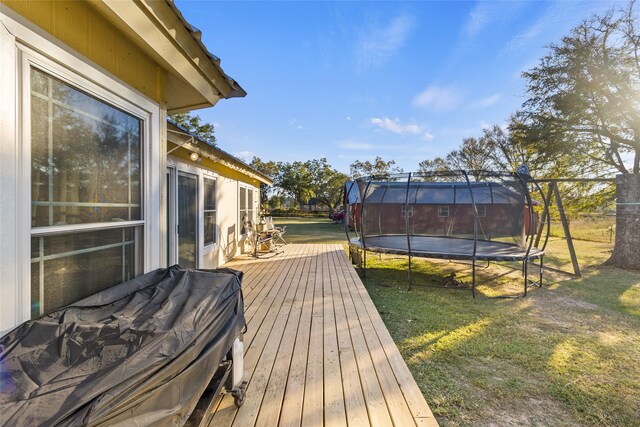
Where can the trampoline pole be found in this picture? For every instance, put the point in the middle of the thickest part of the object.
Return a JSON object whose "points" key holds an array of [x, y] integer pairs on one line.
{"points": [[364, 268], [410, 281], [541, 269], [473, 277], [526, 278]]}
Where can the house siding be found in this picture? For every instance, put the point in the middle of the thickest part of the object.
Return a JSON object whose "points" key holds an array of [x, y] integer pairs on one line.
{"points": [[79, 26]]}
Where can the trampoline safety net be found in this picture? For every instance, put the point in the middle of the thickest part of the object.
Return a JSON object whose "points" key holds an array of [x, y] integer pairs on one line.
{"points": [[475, 215]]}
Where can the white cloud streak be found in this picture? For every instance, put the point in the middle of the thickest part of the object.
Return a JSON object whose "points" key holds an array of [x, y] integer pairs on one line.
{"points": [[395, 126], [377, 44], [438, 98], [485, 102]]}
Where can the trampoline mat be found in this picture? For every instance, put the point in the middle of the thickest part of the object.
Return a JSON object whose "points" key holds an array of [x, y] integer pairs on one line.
{"points": [[447, 247]]}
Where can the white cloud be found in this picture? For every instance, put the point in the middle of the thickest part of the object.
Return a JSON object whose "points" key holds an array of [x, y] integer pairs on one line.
{"points": [[484, 125], [245, 156], [427, 136], [395, 126], [296, 124], [348, 118], [438, 98], [478, 19], [377, 44], [523, 39], [490, 13], [486, 102]]}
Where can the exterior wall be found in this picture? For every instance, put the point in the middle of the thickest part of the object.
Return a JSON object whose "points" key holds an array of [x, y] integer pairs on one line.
{"points": [[229, 242], [71, 41], [78, 25]]}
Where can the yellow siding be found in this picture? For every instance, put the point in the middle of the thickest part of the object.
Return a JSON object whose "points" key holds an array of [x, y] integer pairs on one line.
{"points": [[82, 28]]}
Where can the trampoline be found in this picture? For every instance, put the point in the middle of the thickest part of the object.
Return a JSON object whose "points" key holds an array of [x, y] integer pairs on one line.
{"points": [[456, 215]]}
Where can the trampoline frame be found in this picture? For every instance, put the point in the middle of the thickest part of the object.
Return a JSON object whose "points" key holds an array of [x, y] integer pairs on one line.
{"points": [[359, 244]]}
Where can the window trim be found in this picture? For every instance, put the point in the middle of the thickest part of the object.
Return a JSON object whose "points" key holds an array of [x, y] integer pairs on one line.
{"points": [[248, 188], [33, 60], [482, 211], [215, 198], [23, 42], [441, 211]]}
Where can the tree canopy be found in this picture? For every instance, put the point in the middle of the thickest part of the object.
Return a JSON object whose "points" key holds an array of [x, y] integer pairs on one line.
{"points": [[193, 123], [302, 181], [584, 96], [378, 167]]}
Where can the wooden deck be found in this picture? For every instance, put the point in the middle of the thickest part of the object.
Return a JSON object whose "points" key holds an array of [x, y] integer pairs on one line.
{"points": [[316, 350]]}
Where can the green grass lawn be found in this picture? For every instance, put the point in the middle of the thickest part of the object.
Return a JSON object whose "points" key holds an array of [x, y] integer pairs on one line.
{"points": [[311, 230], [568, 354]]}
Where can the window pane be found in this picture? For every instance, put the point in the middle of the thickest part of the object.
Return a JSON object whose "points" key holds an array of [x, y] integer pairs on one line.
{"points": [[187, 221], [86, 162], [250, 206], [209, 228], [209, 194], [67, 268], [243, 210], [243, 198]]}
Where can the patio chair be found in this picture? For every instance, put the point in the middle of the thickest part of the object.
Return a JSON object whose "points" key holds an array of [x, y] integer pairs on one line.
{"points": [[277, 232], [262, 241], [277, 237]]}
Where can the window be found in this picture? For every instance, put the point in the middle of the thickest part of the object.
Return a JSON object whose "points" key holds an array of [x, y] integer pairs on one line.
{"points": [[86, 193], [209, 211], [443, 211], [246, 208], [482, 211], [406, 210]]}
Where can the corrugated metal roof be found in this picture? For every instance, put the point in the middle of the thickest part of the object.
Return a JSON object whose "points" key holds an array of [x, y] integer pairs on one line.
{"points": [[238, 91]]}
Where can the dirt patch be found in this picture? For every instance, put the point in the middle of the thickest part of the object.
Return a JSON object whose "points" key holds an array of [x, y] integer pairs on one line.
{"points": [[572, 303], [529, 412]]}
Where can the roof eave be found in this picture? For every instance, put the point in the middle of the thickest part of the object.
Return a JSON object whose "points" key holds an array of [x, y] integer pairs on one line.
{"points": [[195, 76], [220, 154]]}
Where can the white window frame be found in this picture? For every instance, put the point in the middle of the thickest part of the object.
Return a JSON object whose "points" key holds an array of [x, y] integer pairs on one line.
{"points": [[441, 209], [482, 211], [210, 246], [22, 45], [247, 188], [175, 166], [406, 209]]}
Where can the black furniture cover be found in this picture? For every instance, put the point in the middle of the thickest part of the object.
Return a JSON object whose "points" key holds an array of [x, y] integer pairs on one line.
{"points": [[139, 353]]}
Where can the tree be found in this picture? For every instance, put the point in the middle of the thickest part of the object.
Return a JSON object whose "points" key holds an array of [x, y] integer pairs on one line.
{"points": [[584, 105], [584, 96], [378, 168], [294, 180], [204, 131], [438, 164], [270, 169], [326, 182]]}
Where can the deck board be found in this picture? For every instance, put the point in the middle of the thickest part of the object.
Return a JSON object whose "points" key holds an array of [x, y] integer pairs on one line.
{"points": [[316, 350]]}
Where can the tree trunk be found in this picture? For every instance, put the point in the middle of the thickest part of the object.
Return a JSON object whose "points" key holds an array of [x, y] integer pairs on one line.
{"points": [[626, 252]]}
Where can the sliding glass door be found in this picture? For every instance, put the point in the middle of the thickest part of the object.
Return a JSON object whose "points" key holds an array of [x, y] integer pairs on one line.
{"points": [[187, 220]]}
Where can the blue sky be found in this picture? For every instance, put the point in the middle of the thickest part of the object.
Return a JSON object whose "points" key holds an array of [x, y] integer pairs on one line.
{"points": [[351, 80]]}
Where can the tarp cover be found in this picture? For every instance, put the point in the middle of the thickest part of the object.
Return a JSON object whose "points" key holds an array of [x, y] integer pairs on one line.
{"points": [[139, 353]]}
